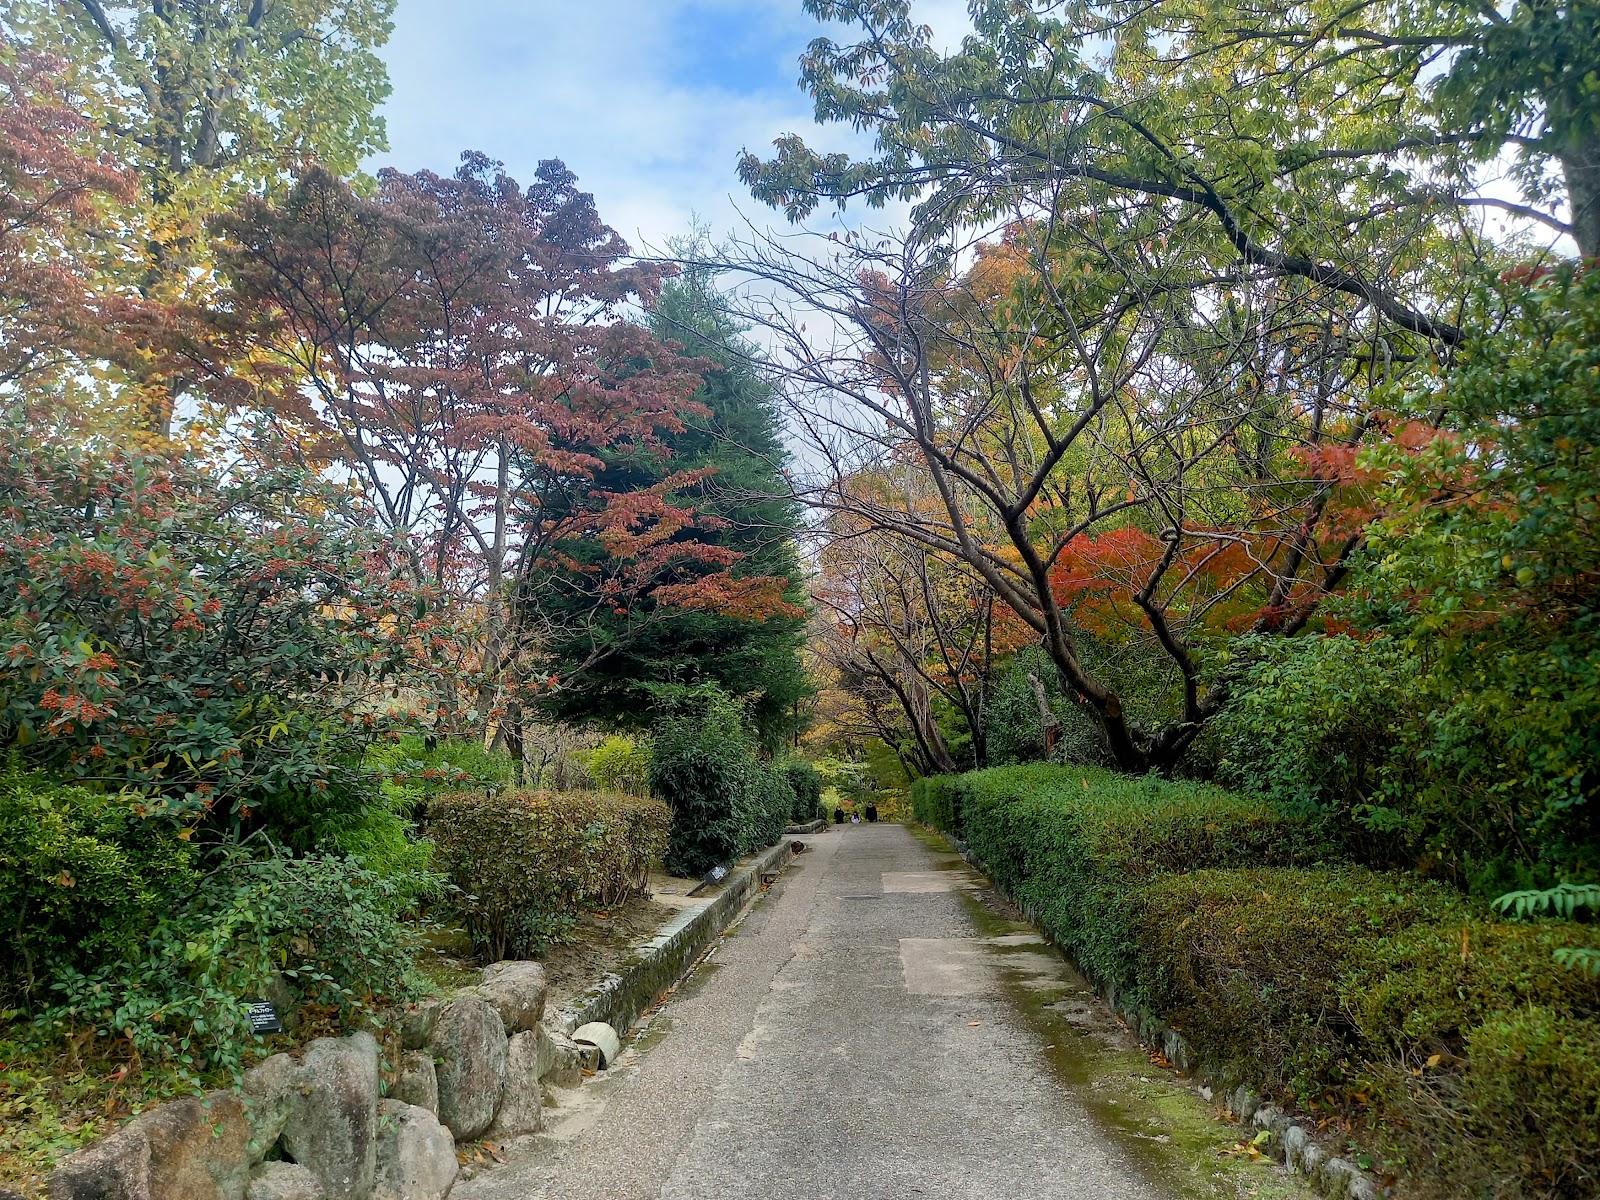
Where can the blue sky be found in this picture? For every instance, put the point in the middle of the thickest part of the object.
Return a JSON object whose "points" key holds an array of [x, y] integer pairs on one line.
{"points": [[648, 101]]}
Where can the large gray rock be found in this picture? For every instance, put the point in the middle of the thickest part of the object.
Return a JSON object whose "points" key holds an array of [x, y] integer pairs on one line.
{"points": [[1294, 1141], [517, 991], [419, 1082], [522, 1101], [194, 1148], [199, 1148], [270, 1089], [469, 1053], [332, 1128], [418, 1022], [114, 1168], [416, 1154], [283, 1181]]}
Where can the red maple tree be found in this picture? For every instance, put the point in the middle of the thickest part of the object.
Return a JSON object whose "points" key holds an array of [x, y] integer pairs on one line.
{"points": [[458, 345]]}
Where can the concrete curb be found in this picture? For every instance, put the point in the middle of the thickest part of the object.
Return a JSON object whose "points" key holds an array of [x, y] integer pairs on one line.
{"points": [[1289, 1141], [816, 826], [620, 998]]}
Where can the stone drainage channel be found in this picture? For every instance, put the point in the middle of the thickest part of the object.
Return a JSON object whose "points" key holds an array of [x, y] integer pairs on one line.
{"points": [[994, 1071]]}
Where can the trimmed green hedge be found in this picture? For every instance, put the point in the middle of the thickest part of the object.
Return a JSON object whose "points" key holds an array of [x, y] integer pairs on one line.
{"points": [[1466, 1056], [933, 802], [1066, 843], [527, 862]]}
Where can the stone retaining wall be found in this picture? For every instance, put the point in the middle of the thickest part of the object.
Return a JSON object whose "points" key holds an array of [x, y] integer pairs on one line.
{"points": [[319, 1126]]}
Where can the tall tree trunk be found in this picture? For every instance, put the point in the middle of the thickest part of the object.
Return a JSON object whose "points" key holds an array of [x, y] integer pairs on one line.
{"points": [[499, 613], [1580, 161], [516, 745]]}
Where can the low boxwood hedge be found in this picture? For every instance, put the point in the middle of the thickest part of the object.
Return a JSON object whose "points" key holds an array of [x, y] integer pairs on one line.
{"points": [[1067, 843], [1453, 1043], [526, 862]]}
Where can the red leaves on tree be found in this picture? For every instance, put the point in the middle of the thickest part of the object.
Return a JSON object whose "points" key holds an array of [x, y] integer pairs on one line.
{"points": [[459, 345], [52, 187]]}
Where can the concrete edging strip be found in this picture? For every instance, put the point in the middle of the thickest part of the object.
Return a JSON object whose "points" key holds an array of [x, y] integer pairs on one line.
{"points": [[619, 999]]}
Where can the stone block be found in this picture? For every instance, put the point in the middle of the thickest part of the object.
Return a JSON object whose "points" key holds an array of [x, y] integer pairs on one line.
{"points": [[469, 1055], [522, 1101], [562, 1062], [419, 1021], [416, 1154], [114, 1168], [419, 1082], [194, 1148], [332, 1128], [270, 1088], [1294, 1141], [517, 990], [283, 1181]]}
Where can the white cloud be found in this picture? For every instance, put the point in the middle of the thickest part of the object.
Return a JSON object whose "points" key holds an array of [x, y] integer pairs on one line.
{"points": [[598, 85], [649, 103]]}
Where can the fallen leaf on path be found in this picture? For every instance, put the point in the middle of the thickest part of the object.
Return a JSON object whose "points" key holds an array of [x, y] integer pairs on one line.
{"points": [[973, 1024]]}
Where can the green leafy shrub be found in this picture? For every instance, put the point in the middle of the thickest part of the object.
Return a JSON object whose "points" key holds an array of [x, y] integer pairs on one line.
{"points": [[1394, 1000], [82, 876], [806, 781], [1518, 1117], [1419, 993], [619, 764], [327, 925], [526, 863], [725, 801], [770, 802], [180, 634], [702, 776], [1251, 963], [1323, 723]]}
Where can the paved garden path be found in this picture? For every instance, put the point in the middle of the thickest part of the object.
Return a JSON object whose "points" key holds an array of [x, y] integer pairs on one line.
{"points": [[877, 1026]]}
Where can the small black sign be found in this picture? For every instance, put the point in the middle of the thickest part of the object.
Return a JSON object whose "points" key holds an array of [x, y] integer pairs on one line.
{"points": [[263, 1017]]}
